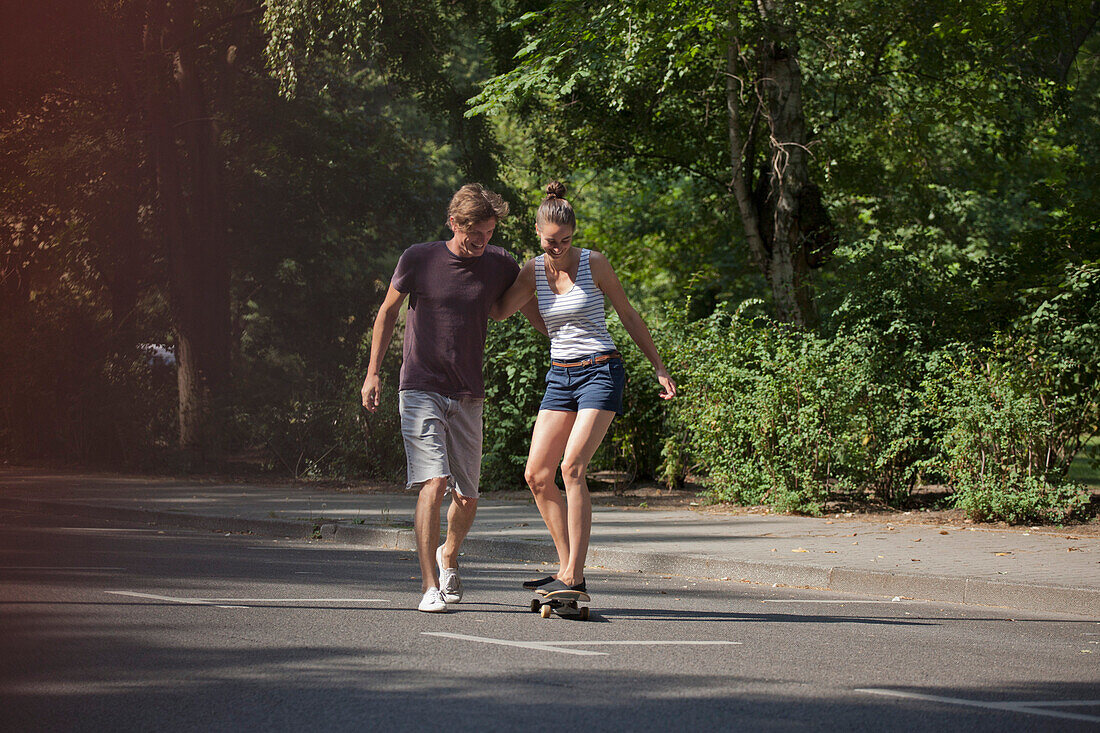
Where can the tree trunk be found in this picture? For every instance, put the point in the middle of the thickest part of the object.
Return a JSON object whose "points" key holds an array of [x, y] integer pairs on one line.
{"points": [[781, 79], [740, 162], [184, 141], [770, 209]]}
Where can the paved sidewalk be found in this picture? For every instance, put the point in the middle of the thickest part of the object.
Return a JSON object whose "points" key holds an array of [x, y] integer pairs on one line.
{"points": [[1048, 570]]}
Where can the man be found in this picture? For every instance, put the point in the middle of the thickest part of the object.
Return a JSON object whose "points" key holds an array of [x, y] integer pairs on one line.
{"points": [[452, 288]]}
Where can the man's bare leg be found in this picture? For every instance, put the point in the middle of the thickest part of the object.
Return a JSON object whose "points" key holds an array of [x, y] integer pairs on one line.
{"points": [[460, 517], [426, 522]]}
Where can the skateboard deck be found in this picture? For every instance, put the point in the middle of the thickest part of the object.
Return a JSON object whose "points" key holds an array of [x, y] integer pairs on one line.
{"points": [[562, 602]]}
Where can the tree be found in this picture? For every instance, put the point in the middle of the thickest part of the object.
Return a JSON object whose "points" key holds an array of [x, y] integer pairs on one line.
{"points": [[622, 76], [183, 148], [648, 81], [152, 69], [148, 158]]}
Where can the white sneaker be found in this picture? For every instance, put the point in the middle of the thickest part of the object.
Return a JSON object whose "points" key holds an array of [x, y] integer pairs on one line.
{"points": [[449, 582], [432, 602]]}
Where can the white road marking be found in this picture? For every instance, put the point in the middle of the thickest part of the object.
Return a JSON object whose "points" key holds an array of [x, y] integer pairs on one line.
{"points": [[826, 600], [220, 601], [647, 642], [105, 529], [1028, 707], [543, 646], [169, 599], [562, 647], [60, 568]]}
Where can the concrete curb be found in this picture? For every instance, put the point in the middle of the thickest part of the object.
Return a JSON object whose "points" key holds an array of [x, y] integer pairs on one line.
{"points": [[971, 591]]}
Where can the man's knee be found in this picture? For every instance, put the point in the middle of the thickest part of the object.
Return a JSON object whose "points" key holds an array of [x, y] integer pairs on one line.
{"points": [[465, 503], [434, 489]]}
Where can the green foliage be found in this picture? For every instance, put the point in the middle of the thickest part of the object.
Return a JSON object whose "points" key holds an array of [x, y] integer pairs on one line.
{"points": [[343, 178], [781, 417], [83, 394], [516, 360], [298, 30], [954, 147], [636, 442], [666, 237], [1006, 437]]}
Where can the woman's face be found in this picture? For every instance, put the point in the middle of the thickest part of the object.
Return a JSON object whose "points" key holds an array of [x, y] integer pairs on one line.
{"points": [[555, 239]]}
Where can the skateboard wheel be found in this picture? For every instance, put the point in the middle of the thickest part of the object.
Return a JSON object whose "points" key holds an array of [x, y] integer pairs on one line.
{"points": [[545, 611], [584, 613], [535, 605]]}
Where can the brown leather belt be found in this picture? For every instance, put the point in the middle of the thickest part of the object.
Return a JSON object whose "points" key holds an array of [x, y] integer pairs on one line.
{"points": [[589, 361]]}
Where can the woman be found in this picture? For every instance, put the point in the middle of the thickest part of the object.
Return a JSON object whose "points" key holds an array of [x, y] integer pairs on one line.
{"points": [[584, 387]]}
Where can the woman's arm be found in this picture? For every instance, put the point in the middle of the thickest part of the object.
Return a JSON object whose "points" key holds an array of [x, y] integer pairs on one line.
{"points": [[607, 281], [531, 311], [517, 296]]}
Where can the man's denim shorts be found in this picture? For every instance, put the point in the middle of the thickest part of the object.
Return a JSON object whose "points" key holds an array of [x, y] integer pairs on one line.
{"points": [[591, 387], [442, 438]]}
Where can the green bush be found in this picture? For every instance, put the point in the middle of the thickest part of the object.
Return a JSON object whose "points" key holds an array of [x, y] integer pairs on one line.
{"points": [[779, 416], [1005, 435], [310, 423], [516, 360], [79, 389], [636, 439]]}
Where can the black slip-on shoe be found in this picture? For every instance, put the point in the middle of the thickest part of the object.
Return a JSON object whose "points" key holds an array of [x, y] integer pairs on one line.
{"points": [[556, 584], [538, 582]]}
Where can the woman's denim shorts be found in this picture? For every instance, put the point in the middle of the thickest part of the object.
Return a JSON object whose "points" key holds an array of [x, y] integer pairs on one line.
{"points": [[590, 387]]}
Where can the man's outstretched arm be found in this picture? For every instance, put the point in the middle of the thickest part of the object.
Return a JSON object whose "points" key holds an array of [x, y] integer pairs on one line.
{"points": [[384, 323]]}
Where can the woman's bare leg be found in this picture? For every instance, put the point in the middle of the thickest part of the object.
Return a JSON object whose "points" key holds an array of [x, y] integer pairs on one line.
{"points": [[587, 433], [548, 441]]}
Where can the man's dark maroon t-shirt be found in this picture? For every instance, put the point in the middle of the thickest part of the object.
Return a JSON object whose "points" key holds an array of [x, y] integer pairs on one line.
{"points": [[447, 319]]}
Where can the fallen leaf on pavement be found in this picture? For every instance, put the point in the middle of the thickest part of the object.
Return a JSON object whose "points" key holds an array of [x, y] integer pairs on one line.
{"points": [[1002, 554], [799, 549]]}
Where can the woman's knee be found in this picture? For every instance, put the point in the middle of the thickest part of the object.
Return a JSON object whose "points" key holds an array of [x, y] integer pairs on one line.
{"points": [[539, 478], [572, 472]]}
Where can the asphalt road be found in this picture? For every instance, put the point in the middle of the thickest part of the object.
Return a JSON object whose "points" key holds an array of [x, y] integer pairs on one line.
{"points": [[112, 626]]}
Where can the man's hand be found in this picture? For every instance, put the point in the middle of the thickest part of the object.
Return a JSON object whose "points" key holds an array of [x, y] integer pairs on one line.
{"points": [[372, 392]]}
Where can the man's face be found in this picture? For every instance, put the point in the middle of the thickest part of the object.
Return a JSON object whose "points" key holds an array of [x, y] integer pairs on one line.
{"points": [[472, 241]]}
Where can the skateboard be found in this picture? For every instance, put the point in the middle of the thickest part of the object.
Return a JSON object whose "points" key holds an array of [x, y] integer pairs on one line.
{"points": [[563, 603]]}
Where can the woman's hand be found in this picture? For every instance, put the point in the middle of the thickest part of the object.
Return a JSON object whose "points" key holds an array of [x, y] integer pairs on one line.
{"points": [[669, 386]]}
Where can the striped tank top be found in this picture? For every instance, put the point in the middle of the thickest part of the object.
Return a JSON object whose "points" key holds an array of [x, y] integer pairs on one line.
{"points": [[575, 320]]}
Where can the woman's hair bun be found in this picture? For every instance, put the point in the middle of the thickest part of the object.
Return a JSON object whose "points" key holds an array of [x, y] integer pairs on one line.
{"points": [[555, 189]]}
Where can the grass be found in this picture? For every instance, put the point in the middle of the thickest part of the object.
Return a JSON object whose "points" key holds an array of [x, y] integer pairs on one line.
{"points": [[1082, 468]]}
